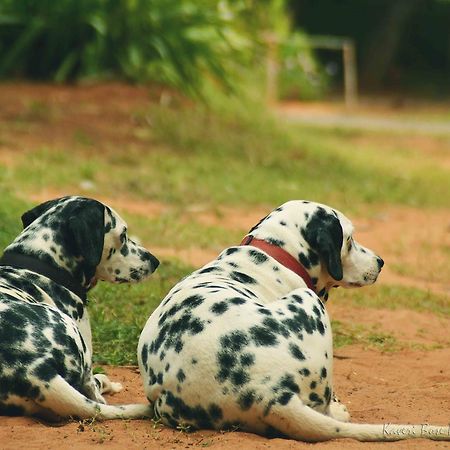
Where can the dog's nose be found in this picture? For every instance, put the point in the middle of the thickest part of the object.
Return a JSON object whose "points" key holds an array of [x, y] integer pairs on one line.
{"points": [[380, 262], [154, 262]]}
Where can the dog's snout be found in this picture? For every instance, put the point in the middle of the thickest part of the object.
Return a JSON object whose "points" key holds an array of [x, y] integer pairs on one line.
{"points": [[154, 262], [145, 255], [380, 262]]}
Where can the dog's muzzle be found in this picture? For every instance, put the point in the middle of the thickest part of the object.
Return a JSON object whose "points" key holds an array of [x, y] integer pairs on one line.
{"points": [[154, 262]]}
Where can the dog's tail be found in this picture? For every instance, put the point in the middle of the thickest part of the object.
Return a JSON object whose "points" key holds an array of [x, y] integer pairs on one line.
{"points": [[61, 400], [298, 421]]}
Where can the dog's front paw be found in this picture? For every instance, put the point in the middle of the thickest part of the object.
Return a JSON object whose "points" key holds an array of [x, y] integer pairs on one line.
{"points": [[338, 411], [115, 387], [106, 385]]}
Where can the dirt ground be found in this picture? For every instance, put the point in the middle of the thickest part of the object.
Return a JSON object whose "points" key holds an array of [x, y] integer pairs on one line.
{"points": [[410, 385]]}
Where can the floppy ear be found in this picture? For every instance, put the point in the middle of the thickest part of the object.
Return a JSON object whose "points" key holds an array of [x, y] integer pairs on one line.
{"points": [[30, 216], [87, 231], [330, 251], [324, 234]]}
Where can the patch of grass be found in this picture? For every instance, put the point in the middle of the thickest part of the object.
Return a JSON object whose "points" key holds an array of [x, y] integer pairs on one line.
{"points": [[11, 209], [349, 334], [119, 313], [36, 111], [83, 138], [49, 167], [394, 297], [241, 156], [431, 260], [167, 230]]}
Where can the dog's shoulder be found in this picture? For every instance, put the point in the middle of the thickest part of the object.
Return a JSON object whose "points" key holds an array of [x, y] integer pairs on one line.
{"points": [[32, 287]]}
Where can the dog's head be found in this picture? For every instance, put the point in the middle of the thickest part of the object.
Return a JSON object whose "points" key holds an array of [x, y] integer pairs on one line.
{"points": [[321, 238], [86, 238], [123, 260]]}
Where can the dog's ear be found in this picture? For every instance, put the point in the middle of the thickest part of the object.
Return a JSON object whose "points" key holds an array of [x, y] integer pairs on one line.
{"points": [[329, 250], [87, 228], [324, 234], [30, 216]]}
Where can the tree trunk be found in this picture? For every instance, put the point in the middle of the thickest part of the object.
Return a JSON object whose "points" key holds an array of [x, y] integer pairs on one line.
{"points": [[385, 42]]}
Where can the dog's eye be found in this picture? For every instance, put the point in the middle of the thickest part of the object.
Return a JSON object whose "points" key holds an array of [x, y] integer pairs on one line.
{"points": [[349, 243]]}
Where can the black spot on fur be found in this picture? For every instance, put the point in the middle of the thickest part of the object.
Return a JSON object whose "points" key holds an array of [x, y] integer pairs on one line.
{"points": [[315, 398], [219, 308], [304, 261], [247, 359], [257, 257], [246, 399], [262, 336], [235, 340], [287, 382], [181, 376], [215, 412], [277, 242], [237, 300], [226, 359], [327, 395], [196, 416], [239, 377], [211, 269], [296, 352], [242, 277], [285, 398]]}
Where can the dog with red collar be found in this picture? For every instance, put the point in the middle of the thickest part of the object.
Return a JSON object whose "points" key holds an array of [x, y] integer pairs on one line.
{"points": [[245, 342]]}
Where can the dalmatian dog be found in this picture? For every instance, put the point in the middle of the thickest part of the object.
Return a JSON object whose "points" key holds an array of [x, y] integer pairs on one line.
{"points": [[45, 338], [245, 342]]}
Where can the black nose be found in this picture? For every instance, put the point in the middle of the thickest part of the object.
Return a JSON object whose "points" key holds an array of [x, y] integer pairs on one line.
{"points": [[154, 262], [380, 262]]}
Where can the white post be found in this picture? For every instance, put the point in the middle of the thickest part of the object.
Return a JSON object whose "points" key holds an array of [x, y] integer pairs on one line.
{"points": [[350, 73]]}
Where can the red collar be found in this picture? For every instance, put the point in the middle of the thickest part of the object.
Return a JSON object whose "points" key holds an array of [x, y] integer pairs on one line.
{"points": [[282, 256]]}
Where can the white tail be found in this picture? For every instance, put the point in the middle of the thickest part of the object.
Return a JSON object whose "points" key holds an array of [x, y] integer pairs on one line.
{"points": [[300, 422], [62, 400]]}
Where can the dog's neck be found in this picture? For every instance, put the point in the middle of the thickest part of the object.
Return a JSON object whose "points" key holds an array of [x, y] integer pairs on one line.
{"points": [[57, 275], [282, 256], [36, 249], [296, 246]]}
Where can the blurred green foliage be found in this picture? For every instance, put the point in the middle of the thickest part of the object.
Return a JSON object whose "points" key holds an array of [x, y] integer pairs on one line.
{"points": [[10, 211], [301, 76], [181, 43]]}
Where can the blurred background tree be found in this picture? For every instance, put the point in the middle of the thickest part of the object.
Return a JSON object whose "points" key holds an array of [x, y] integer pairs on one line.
{"points": [[174, 42], [187, 43], [401, 44]]}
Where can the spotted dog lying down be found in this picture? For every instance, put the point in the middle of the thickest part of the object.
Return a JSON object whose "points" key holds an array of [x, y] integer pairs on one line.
{"points": [[45, 337], [246, 340]]}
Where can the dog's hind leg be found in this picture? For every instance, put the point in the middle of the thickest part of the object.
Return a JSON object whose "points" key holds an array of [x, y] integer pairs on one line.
{"points": [[65, 401], [298, 421]]}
